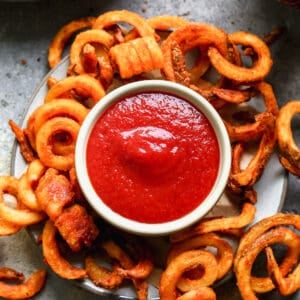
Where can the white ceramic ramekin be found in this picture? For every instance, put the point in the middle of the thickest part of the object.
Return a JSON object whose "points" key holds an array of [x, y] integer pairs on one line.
{"points": [[153, 86]]}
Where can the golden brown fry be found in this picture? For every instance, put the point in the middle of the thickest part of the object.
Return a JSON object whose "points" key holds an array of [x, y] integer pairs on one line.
{"points": [[279, 219], [54, 192], [163, 22], [102, 276], [257, 230], [249, 175], [8, 228], [115, 252], [92, 36], [270, 38], [231, 95], [224, 253], [289, 167], [287, 145], [136, 56], [144, 266], [44, 142], [250, 131], [25, 290], [106, 72], [260, 68], [141, 270], [18, 216], [244, 261], [11, 274], [182, 263], [78, 194], [110, 18], [57, 108], [28, 183], [263, 121], [217, 224], [286, 285], [25, 147], [84, 85], [181, 75], [53, 257], [76, 227], [63, 35], [51, 81], [191, 36], [89, 59]]}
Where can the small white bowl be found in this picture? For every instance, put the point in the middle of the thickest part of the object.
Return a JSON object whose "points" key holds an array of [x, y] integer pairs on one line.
{"points": [[153, 86]]}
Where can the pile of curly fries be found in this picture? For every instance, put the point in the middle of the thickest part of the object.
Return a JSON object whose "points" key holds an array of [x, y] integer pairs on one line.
{"points": [[47, 193]]}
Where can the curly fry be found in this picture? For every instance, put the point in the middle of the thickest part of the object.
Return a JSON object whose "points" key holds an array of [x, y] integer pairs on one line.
{"points": [[102, 276], [289, 167], [8, 273], [83, 84], [258, 71], [24, 290], [250, 175], [57, 108], [144, 266], [18, 216], [28, 183], [263, 120], [286, 285], [279, 219], [250, 131], [183, 262], [257, 230], [136, 56], [89, 60], [126, 262], [106, 72], [244, 261], [63, 35], [44, 146], [53, 257], [217, 224], [191, 36], [76, 227], [25, 147], [94, 36], [8, 228], [163, 22], [124, 16], [287, 146], [224, 250], [269, 38], [54, 193]]}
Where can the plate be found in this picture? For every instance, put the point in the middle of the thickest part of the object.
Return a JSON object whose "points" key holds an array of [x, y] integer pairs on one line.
{"points": [[271, 189]]}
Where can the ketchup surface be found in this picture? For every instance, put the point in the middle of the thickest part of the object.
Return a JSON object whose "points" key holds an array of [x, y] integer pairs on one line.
{"points": [[152, 157]]}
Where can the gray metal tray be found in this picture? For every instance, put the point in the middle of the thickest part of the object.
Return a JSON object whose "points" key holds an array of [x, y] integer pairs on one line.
{"points": [[26, 31]]}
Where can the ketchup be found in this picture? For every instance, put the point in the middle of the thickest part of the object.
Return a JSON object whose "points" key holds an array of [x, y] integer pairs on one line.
{"points": [[152, 157]]}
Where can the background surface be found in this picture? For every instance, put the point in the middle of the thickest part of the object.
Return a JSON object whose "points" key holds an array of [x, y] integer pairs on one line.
{"points": [[25, 33]]}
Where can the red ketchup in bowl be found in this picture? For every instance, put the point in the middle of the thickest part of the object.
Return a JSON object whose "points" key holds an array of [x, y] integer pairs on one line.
{"points": [[152, 157]]}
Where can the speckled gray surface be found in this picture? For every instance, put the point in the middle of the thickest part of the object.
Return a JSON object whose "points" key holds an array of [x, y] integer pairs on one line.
{"points": [[25, 32]]}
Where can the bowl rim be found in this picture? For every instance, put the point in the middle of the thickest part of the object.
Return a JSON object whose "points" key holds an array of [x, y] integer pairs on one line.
{"points": [[153, 85]]}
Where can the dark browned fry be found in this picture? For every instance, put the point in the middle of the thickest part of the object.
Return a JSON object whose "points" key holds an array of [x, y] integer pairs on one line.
{"points": [[25, 147]]}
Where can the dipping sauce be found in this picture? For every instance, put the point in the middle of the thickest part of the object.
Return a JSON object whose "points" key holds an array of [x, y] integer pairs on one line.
{"points": [[152, 157]]}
